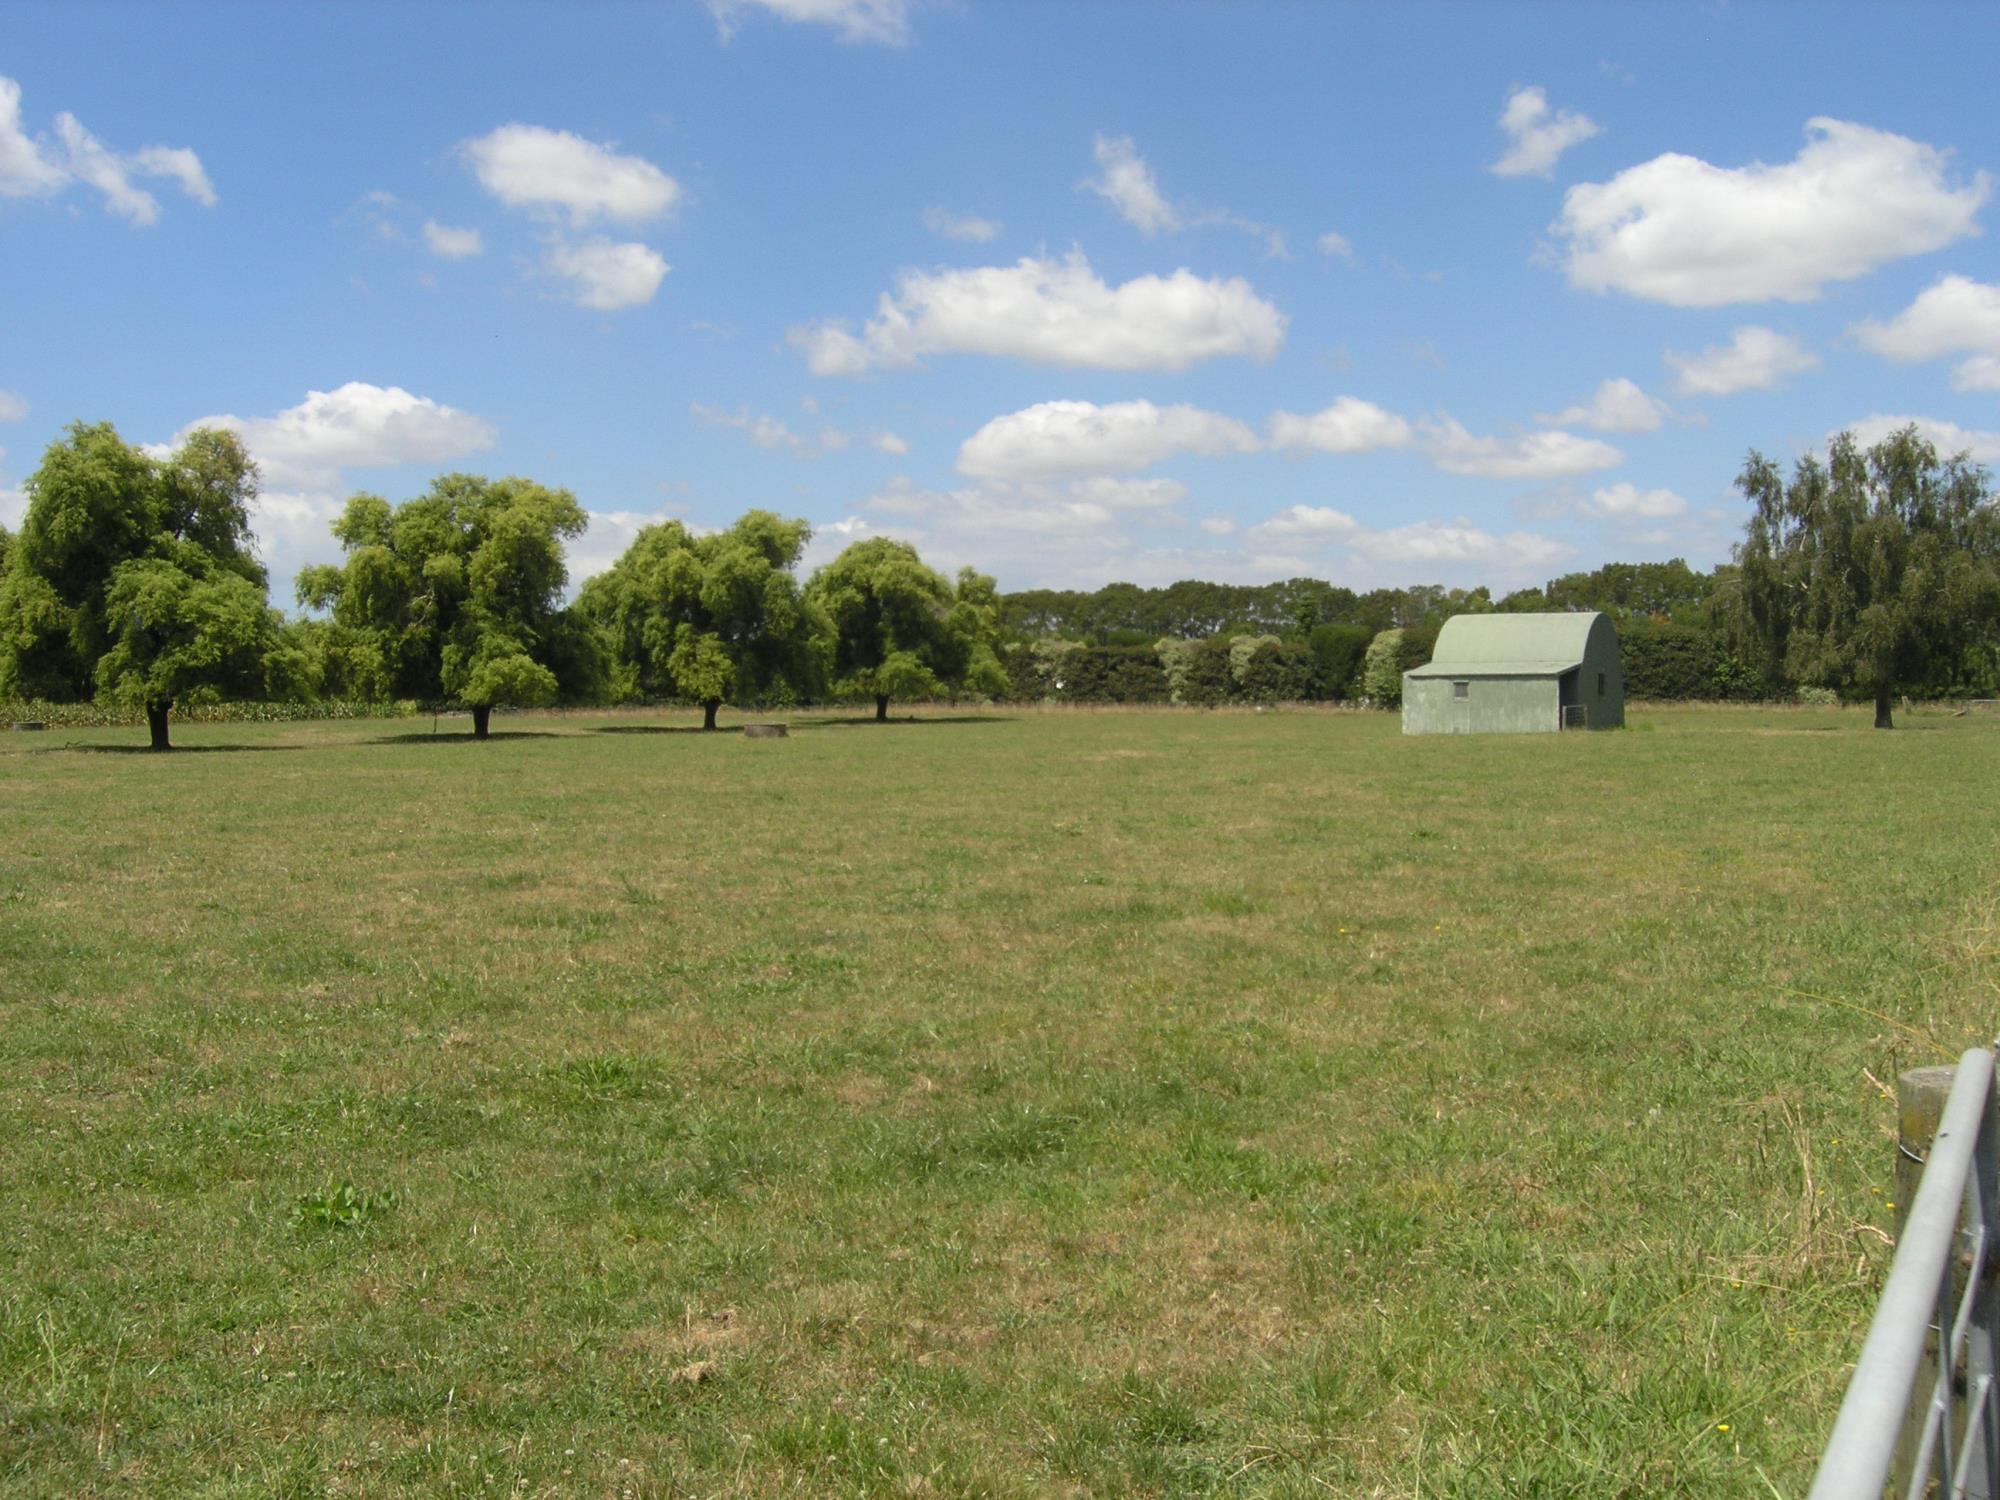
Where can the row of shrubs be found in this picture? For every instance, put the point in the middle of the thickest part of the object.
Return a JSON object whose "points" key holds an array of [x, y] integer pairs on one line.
{"points": [[88, 715]]}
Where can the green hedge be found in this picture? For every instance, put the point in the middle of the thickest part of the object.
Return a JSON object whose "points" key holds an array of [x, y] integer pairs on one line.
{"points": [[100, 716]]}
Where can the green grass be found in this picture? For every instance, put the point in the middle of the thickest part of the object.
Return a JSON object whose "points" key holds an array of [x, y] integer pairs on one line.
{"points": [[1092, 1104]]}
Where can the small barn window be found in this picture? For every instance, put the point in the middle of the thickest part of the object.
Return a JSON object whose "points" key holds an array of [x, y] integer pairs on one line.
{"points": [[1461, 690], [1600, 684]]}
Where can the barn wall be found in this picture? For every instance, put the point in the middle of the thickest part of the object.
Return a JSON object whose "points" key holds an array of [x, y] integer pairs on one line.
{"points": [[1496, 705], [1601, 654]]}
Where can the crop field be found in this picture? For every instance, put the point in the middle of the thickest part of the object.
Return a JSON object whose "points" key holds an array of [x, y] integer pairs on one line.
{"points": [[996, 1104]]}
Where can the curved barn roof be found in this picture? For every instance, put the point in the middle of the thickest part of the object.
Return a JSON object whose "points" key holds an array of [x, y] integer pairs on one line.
{"points": [[1512, 645]]}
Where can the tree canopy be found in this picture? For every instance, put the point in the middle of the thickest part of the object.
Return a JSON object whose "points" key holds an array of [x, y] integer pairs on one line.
{"points": [[454, 596], [1873, 572], [133, 578], [901, 630], [713, 619]]}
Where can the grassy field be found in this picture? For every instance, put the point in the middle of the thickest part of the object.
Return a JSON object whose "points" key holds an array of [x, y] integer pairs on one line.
{"points": [[1026, 1104]]}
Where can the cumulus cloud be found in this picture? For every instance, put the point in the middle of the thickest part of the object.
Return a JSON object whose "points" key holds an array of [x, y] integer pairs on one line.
{"points": [[1949, 437], [1080, 437], [607, 274], [1311, 522], [1126, 182], [1534, 455], [1350, 425], [1626, 502], [1052, 312], [1218, 525], [39, 168], [447, 243], [551, 171], [1440, 542], [1754, 359], [12, 407], [1679, 230], [1615, 406], [888, 442], [882, 21], [1956, 315], [354, 426], [967, 227], [1537, 136]]}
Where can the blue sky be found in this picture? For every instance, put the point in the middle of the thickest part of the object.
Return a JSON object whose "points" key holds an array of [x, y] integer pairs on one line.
{"points": [[1069, 292]]}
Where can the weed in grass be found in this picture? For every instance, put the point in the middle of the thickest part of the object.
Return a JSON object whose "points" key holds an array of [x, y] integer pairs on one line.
{"points": [[339, 1206]]}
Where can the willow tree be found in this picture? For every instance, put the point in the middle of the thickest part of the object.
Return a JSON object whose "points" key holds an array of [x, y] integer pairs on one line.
{"points": [[133, 578], [901, 630], [1874, 571], [455, 596], [713, 619]]}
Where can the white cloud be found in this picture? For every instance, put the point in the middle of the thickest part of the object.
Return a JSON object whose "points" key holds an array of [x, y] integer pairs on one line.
{"points": [[1079, 437], [1948, 437], [968, 227], [769, 433], [1615, 406], [883, 21], [1336, 244], [357, 426], [1956, 315], [31, 168], [452, 244], [1218, 525], [27, 169], [546, 171], [1979, 373], [13, 506], [12, 407], [1627, 502], [1312, 522], [1534, 455], [179, 163], [608, 275], [1754, 359], [1350, 425], [1128, 183], [1129, 494], [1053, 312], [1536, 137], [1678, 230], [1433, 542]]}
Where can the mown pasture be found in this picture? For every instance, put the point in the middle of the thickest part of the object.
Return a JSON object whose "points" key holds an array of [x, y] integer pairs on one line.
{"points": [[1004, 1104]]}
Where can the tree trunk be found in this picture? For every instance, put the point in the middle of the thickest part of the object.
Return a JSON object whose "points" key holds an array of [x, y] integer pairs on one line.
{"points": [[708, 712], [881, 708], [482, 720], [156, 724], [1882, 720]]}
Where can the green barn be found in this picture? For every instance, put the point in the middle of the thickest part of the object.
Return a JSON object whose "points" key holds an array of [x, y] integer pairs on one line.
{"points": [[1518, 674]]}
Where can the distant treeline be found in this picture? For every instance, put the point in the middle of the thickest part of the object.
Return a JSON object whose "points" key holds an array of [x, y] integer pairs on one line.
{"points": [[1306, 640]]}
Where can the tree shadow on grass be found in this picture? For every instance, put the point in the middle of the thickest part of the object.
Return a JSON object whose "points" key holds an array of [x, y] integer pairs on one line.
{"points": [[172, 750], [894, 721], [464, 737], [666, 729]]}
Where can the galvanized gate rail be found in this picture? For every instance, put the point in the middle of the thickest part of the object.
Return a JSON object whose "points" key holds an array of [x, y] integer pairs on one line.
{"points": [[1934, 1337]]}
